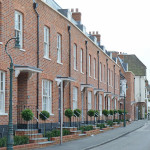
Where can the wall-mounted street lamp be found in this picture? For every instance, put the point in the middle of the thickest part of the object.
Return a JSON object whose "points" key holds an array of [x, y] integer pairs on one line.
{"points": [[10, 140]]}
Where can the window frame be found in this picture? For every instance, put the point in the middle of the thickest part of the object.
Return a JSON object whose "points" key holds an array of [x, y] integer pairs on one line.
{"points": [[48, 103], [89, 65], [75, 98], [94, 68], [59, 48], [81, 60], [89, 100], [100, 104], [75, 56], [2, 91], [46, 42], [16, 27], [100, 71]]}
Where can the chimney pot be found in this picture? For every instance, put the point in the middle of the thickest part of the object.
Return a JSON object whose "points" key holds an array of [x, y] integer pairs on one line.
{"points": [[90, 32], [96, 32], [93, 32], [72, 10], [77, 10]]}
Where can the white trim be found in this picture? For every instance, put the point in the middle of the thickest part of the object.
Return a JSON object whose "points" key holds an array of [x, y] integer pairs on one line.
{"points": [[59, 63], [23, 50], [3, 114], [47, 58], [1, 43]]}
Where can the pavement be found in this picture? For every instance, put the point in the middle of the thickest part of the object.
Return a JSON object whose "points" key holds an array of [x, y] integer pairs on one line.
{"points": [[88, 143]]}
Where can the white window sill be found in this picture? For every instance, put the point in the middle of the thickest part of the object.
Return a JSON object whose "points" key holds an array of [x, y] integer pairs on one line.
{"points": [[47, 58], [82, 73], [75, 69], [3, 114], [90, 77], [23, 50], [1, 43], [51, 114], [59, 63]]}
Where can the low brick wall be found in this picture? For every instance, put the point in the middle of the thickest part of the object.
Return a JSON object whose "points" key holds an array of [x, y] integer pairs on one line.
{"points": [[65, 138], [88, 133], [23, 147]]}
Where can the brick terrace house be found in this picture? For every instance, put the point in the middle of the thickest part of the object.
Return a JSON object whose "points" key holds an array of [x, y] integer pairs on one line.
{"points": [[59, 47]]}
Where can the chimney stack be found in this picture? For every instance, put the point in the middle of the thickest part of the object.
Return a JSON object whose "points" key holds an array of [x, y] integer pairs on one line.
{"points": [[76, 15], [97, 35]]}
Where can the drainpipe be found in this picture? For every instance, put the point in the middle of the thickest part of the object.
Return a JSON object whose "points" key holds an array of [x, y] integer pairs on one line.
{"points": [[86, 42], [98, 52], [35, 5], [114, 79], [107, 81], [69, 31]]}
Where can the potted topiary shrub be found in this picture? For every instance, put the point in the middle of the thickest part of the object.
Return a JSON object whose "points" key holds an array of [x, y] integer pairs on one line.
{"points": [[77, 113], [96, 114], [120, 113], [105, 113], [91, 113], [111, 113], [115, 112], [44, 115], [69, 114], [27, 115]]}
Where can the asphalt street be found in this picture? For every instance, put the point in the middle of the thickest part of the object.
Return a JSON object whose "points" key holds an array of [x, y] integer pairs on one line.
{"points": [[137, 140]]}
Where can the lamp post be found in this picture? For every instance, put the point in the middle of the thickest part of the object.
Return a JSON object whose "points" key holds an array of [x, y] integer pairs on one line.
{"points": [[10, 140], [124, 110]]}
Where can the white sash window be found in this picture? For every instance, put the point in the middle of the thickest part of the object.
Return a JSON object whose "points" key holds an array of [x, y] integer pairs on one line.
{"points": [[58, 48], [89, 100], [75, 98], [46, 42]]}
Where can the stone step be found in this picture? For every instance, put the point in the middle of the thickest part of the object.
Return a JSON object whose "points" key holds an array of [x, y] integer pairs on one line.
{"points": [[45, 144], [21, 132], [75, 132], [82, 134], [38, 140], [36, 135]]}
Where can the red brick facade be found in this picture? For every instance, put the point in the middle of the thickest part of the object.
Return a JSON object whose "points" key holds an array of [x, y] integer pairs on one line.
{"points": [[24, 88]]}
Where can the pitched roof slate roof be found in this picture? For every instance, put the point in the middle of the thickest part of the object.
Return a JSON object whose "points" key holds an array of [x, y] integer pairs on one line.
{"points": [[135, 65]]}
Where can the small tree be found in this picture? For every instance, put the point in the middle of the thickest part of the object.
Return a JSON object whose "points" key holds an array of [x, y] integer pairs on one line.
{"points": [[115, 112], [27, 115], [111, 113], [120, 113], [44, 115], [91, 113], [69, 114], [105, 113]]}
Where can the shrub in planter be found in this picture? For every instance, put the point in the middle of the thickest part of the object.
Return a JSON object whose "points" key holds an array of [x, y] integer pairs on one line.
{"points": [[86, 128], [116, 120], [3, 142], [20, 140], [110, 123], [44, 115], [56, 133], [96, 113], [77, 112], [69, 114], [101, 126], [111, 112], [27, 114]]}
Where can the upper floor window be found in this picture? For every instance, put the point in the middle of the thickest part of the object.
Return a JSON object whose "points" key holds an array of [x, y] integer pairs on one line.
{"points": [[108, 76], [2, 92], [47, 95], [75, 56], [89, 65], [89, 100], [81, 60], [100, 71], [104, 73], [18, 27], [59, 48], [94, 68], [46, 42], [75, 98]]}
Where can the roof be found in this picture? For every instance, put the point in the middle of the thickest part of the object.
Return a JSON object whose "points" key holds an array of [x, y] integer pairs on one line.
{"points": [[135, 65], [123, 64]]}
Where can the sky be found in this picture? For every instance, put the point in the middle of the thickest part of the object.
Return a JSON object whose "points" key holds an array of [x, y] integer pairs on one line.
{"points": [[124, 25]]}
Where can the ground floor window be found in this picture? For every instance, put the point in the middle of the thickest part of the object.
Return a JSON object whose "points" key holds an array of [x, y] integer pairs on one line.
{"points": [[75, 98], [108, 103], [47, 96], [89, 100], [100, 104], [2, 92]]}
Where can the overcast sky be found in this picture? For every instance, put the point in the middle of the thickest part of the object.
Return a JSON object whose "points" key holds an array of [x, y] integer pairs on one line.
{"points": [[124, 25]]}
